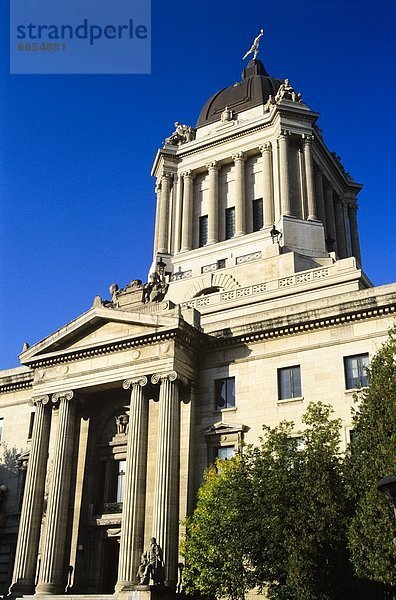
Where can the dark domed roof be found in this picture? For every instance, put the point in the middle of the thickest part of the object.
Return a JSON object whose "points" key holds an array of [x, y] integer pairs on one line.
{"points": [[255, 87]]}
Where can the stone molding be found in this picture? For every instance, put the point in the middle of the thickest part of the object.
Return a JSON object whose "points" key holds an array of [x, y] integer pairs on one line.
{"points": [[129, 383], [18, 385]]}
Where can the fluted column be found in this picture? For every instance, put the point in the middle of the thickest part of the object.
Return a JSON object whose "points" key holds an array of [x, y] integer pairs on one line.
{"points": [[157, 217], [132, 528], [309, 177], [330, 218], [284, 173], [166, 494], [268, 196], [213, 212], [340, 228], [163, 223], [240, 201], [320, 198], [23, 579], [352, 212], [187, 219], [178, 215], [53, 569]]}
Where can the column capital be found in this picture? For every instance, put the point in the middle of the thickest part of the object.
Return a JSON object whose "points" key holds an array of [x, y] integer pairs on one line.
{"points": [[167, 175], [58, 396], [213, 165], [239, 156], [265, 147], [189, 174], [284, 134], [353, 207], [171, 376], [307, 139], [34, 400], [158, 187], [134, 381]]}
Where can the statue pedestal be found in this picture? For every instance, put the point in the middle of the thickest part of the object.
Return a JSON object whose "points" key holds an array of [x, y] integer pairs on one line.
{"points": [[148, 592]]}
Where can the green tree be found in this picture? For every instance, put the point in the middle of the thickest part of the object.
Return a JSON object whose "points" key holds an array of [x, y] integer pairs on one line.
{"points": [[299, 551], [215, 548], [371, 456]]}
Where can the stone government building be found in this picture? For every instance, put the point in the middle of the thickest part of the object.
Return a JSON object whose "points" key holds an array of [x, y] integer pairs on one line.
{"points": [[256, 305]]}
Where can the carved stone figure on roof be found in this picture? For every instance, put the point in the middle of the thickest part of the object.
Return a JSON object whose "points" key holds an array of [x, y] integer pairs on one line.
{"points": [[287, 92], [156, 287], [181, 135]]}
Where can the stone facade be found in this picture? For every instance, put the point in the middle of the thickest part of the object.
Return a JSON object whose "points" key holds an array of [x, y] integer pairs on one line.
{"points": [[256, 305]]}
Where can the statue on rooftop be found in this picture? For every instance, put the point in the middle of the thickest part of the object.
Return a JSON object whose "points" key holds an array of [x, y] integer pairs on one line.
{"points": [[287, 92], [254, 49], [181, 135]]}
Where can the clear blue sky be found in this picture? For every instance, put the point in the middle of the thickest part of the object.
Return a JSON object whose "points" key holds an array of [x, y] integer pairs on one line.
{"points": [[77, 199]]}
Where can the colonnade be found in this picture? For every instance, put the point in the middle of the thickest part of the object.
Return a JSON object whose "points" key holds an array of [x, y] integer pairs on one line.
{"points": [[338, 215], [51, 577]]}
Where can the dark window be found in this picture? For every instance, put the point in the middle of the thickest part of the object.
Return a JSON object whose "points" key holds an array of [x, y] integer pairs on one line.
{"points": [[225, 392], [352, 436], [229, 223], [225, 452], [355, 371], [1, 427], [289, 383], [31, 423], [258, 219], [203, 230]]}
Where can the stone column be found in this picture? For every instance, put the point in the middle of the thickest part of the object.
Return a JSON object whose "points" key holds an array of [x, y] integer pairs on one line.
{"points": [[166, 494], [330, 217], [284, 173], [213, 212], [23, 579], [163, 223], [309, 177], [53, 569], [240, 200], [132, 528], [352, 211], [157, 217], [187, 219], [340, 228], [320, 199], [268, 196], [178, 215]]}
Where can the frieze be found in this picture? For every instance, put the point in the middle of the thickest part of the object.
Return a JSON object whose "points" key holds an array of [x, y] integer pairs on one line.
{"points": [[240, 260], [220, 264], [181, 275]]}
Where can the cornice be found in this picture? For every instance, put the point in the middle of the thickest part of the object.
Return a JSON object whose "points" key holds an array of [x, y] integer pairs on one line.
{"points": [[262, 330], [185, 334], [17, 385]]}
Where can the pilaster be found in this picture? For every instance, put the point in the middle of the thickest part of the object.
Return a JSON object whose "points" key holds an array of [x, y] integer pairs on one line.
{"points": [[283, 141], [240, 203], [187, 216], [213, 212], [309, 176], [268, 197]]}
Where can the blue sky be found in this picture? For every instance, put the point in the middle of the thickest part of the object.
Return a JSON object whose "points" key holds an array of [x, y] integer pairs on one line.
{"points": [[77, 200]]}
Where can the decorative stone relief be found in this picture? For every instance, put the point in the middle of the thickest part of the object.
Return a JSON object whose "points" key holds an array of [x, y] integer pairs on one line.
{"points": [[181, 135]]}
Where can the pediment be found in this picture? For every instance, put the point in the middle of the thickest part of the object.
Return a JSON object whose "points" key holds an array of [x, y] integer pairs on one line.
{"points": [[221, 428], [96, 327]]}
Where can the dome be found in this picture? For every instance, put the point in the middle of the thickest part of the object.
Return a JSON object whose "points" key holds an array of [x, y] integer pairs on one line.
{"points": [[254, 89]]}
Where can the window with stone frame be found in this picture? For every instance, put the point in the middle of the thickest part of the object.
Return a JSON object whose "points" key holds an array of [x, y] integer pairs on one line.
{"points": [[225, 393], [203, 230], [225, 452], [229, 223], [355, 371], [289, 383], [121, 480], [31, 424], [258, 215]]}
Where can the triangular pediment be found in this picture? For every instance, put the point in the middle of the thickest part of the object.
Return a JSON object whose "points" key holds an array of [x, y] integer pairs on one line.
{"points": [[96, 327], [221, 428]]}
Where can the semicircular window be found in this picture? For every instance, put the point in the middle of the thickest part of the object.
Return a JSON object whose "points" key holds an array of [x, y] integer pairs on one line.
{"points": [[209, 290]]}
